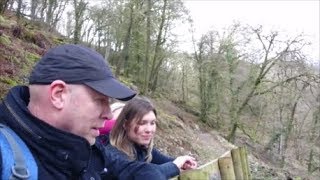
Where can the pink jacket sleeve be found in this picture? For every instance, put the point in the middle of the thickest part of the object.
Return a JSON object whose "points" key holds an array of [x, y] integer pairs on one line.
{"points": [[108, 124]]}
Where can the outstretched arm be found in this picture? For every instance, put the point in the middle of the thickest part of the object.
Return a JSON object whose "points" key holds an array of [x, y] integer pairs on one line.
{"points": [[120, 166], [159, 158], [185, 162], [171, 167]]}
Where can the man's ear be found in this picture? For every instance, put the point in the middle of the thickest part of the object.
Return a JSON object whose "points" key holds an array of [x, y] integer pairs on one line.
{"points": [[58, 93]]}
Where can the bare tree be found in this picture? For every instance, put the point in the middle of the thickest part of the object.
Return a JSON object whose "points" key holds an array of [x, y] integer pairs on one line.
{"points": [[273, 52], [79, 9], [3, 5], [34, 6], [148, 45]]}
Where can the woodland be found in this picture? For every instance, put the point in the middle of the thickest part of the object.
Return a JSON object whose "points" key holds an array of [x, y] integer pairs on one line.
{"points": [[256, 88]]}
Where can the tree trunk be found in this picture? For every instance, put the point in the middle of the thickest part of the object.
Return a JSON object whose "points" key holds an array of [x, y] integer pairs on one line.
{"points": [[148, 44], [155, 65], [19, 9], [183, 85], [61, 8], [127, 41], [50, 12], [108, 47], [232, 134], [79, 8], [43, 8], [3, 6], [34, 5]]}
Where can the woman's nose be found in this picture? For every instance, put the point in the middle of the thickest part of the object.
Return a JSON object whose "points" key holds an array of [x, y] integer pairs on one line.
{"points": [[149, 128]]}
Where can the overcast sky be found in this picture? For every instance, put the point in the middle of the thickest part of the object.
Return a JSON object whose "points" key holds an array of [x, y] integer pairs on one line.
{"points": [[289, 16]]}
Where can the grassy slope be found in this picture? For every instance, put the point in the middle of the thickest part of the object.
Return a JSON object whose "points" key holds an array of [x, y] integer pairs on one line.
{"points": [[21, 45]]}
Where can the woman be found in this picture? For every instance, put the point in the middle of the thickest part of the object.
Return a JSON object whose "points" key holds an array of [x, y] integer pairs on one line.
{"points": [[116, 108], [131, 139]]}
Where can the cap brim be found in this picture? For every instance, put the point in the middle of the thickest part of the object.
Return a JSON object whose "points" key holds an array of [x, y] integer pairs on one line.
{"points": [[112, 88]]}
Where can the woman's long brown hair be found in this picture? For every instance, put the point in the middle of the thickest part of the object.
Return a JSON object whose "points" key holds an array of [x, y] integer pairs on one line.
{"points": [[131, 114]]}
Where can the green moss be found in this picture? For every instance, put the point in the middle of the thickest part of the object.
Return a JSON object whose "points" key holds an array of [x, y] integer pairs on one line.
{"points": [[168, 117], [167, 121], [2, 20], [30, 60], [58, 41], [124, 80], [29, 36], [5, 40], [32, 57], [33, 46], [9, 81], [5, 25]]}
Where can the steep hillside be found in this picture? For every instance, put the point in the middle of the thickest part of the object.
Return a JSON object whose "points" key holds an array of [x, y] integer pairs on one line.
{"points": [[21, 45], [179, 132]]}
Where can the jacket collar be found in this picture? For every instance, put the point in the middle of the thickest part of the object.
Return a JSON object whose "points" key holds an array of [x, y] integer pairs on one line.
{"points": [[141, 152]]}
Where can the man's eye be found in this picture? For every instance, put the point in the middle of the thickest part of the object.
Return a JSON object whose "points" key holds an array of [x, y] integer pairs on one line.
{"points": [[101, 101]]}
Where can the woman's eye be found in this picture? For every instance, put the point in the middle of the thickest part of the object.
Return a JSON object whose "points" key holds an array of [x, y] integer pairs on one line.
{"points": [[143, 122]]}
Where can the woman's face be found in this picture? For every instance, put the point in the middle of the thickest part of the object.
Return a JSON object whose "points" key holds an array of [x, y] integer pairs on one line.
{"points": [[142, 132]]}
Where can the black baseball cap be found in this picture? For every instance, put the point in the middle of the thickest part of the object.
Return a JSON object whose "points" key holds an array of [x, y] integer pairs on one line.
{"points": [[76, 64]]}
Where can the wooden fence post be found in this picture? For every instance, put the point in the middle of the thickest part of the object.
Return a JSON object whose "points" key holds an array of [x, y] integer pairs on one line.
{"points": [[226, 168], [212, 168], [237, 165], [244, 163], [232, 165], [194, 174]]}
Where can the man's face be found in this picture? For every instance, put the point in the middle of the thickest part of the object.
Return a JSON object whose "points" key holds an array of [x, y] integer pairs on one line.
{"points": [[85, 112]]}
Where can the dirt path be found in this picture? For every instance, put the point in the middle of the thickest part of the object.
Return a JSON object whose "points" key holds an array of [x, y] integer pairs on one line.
{"points": [[179, 134]]}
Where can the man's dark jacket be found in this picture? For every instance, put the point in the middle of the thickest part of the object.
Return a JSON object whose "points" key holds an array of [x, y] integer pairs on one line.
{"points": [[59, 154]]}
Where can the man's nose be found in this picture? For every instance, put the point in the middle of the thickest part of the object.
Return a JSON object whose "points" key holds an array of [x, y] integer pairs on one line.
{"points": [[107, 114]]}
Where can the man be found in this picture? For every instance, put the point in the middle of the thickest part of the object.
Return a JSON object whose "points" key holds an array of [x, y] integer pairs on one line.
{"points": [[59, 114]]}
